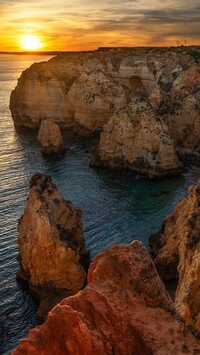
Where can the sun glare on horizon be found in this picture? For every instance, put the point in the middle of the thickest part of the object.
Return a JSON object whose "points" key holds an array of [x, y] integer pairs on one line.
{"points": [[31, 42]]}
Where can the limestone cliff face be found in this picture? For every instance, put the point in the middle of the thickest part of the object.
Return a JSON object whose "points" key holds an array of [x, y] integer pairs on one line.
{"points": [[50, 137], [51, 243], [123, 310], [90, 91], [184, 123], [182, 109], [42, 92], [80, 89], [84, 89], [135, 139], [95, 97], [177, 250]]}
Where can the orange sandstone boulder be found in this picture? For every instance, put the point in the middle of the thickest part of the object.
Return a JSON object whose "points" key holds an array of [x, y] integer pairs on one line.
{"points": [[124, 310], [177, 250], [51, 244], [50, 137]]}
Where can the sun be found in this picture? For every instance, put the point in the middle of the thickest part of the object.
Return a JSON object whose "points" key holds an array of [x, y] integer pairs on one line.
{"points": [[31, 42]]}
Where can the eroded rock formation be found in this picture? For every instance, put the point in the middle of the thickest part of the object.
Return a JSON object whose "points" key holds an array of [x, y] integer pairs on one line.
{"points": [[123, 310], [50, 137], [51, 244], [85, 88], [177, 250], [95, 96], [88, 91], [135, 139]]}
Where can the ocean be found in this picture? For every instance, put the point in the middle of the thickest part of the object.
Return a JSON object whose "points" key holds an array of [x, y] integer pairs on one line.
{"points": [[117, 207]]}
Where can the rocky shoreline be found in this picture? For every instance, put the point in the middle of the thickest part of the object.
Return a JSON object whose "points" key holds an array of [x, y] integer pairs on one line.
{"points": [[144, 103]]}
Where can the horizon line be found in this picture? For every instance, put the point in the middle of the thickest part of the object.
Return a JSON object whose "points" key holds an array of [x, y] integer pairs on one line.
{"points": [[93, 50]]}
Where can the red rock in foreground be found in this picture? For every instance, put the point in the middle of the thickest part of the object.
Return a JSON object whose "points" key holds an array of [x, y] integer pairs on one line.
{"points": [[123, 310]]}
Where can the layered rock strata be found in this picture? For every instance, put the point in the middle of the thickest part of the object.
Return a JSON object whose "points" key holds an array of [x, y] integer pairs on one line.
{"points": [[51, 244], [50, 137], [123, 310], [134, 139], [177, 251]]}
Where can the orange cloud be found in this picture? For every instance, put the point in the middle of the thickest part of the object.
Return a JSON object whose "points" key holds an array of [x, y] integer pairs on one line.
{"points": [[80, 25]]}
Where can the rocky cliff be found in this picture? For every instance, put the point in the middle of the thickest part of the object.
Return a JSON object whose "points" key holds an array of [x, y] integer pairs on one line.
{"points": [[134, 139], [50, 137], [123, 310], [89, 92], [84, 89], [51, 244], [177, 250]]}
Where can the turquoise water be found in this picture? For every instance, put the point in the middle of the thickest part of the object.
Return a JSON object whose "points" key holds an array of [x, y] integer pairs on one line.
{"points": [[116, 207]]}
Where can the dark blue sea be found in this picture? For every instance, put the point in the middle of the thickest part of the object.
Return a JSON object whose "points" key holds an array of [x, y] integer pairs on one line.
{"points": [[117, 207]]}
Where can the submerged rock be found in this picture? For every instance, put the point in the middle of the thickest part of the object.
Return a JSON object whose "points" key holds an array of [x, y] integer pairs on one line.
{"points": [[177, 251], [52, 255], [135, 139], [50, 137], [123, 310]]}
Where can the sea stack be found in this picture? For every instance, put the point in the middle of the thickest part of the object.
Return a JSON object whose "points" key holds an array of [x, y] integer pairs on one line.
{"points": [[123, 310], [53, 258], [50, 137], [177, 251]]}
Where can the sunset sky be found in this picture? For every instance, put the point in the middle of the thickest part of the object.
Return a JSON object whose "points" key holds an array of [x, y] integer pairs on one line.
{"points": [[88, 24]]}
